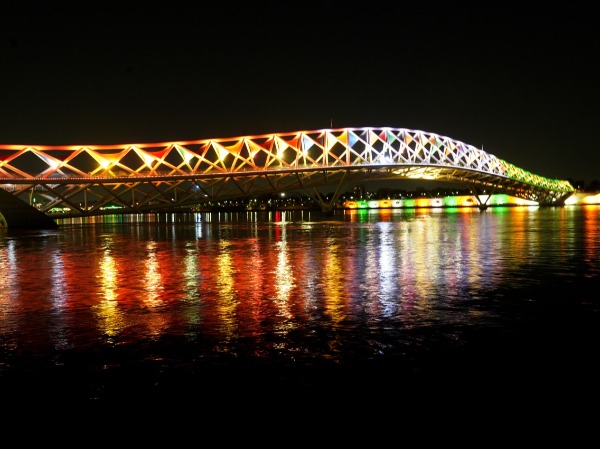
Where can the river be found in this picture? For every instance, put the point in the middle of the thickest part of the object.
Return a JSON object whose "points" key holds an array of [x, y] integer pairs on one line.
{"points": [[403, 304]]}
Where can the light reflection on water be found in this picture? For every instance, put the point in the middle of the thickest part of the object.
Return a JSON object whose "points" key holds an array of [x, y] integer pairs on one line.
{"points": [[293, 286]]}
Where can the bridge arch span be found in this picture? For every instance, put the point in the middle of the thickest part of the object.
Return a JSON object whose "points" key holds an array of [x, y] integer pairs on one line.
{"points": [[80, 180]]}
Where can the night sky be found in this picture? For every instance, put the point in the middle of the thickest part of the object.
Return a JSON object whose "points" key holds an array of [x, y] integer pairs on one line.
{"points": [[521, 83]]}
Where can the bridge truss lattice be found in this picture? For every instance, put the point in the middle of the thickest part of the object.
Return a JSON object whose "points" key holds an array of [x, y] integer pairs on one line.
{"points": [[136, 177]]}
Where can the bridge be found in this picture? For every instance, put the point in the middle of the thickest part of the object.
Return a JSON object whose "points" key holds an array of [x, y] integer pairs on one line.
{"points": [[86, 180]]}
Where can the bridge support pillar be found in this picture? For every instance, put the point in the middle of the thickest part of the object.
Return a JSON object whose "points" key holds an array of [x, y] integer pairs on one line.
{"points": [[482, 198], [327, 210], [327, 206], [16, 213]]}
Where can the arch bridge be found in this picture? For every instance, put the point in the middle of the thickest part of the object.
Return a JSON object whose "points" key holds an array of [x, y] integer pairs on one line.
{"points": [[75, 181]]}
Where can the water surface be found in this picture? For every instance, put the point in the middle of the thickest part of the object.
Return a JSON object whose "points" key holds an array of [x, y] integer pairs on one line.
{"points": [[401, 303]]}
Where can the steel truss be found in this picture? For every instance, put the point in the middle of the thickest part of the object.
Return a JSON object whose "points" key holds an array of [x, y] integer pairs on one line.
{"points": [[85, 180]]}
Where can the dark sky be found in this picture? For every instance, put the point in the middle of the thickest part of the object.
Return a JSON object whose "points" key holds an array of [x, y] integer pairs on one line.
{"points": [[520, 81]]}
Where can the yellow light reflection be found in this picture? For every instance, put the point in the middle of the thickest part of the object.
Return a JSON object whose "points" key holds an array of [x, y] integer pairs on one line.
{"points": [[190, 274], [333, 284], [284, 281], [152, 278], [8, 266], [227, 303], [109, 317], [592, 236], [108, 276], [524, 241]]}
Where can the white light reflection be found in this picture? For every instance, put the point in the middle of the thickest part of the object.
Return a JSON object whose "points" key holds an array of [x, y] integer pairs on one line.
{"points": [[58, 295], [190, 273], [309, 277], [407, 271], [198, 226], [284, 282], [9, 286], [59, 291], [387, 269], [427, 261]]}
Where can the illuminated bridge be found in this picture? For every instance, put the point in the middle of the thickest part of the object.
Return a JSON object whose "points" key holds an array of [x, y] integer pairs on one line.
{"points": [[74, 181]]}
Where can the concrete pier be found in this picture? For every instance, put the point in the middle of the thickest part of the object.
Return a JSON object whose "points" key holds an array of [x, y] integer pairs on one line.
{"points": [[17, 214]]}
